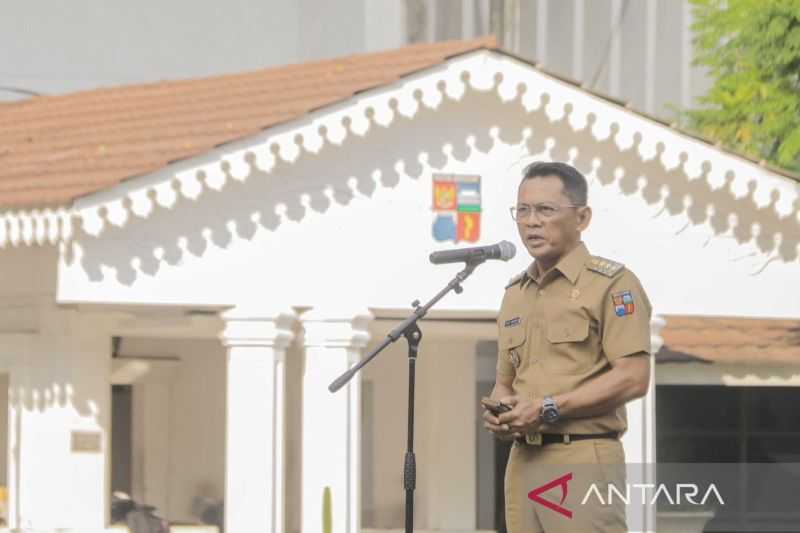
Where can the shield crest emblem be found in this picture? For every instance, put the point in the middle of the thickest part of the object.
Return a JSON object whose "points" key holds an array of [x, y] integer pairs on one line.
{"points": [[457, 208]]}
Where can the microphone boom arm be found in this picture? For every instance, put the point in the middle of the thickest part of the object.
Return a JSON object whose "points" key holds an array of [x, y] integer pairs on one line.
{"points": [[409, 329], [408, 324]]}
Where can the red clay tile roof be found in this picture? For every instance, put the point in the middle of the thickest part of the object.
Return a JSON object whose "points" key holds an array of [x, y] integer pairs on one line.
{"points": [[730, 340], [54, 149]]}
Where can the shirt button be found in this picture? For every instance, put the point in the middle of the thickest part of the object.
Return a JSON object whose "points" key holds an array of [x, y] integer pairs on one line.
{"points": [[541, 291]]}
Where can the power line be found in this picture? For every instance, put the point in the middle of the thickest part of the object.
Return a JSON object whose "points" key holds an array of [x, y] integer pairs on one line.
{"points": [[20, 90]]}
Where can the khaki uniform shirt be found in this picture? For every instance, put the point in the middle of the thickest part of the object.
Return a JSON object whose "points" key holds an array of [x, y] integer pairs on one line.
{"points": [[562, 329]]}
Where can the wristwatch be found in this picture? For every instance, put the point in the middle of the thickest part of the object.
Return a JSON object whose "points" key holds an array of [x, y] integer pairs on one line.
{"points": [[549, 412]]}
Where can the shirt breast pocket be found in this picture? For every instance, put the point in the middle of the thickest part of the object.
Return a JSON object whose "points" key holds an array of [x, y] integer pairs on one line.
{"points": [[568, 349], [513, 340]]}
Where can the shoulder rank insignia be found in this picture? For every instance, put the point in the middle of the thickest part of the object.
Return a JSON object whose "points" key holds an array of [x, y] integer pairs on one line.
{"points": [[603, 266], [516, 279]]}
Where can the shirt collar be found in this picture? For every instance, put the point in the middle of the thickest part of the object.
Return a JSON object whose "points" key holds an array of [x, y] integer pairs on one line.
{"points": [[570, 265]]}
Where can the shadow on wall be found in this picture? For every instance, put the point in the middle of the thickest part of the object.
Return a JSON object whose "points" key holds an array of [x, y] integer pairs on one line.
{"points": [[40, 394], [376, 159]]}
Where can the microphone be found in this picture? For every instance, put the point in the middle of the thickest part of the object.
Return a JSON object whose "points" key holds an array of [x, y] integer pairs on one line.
{"points": [[502, 250]]}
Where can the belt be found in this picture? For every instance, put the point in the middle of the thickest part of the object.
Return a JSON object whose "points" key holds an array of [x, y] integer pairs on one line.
{"points": [[551, 438]]}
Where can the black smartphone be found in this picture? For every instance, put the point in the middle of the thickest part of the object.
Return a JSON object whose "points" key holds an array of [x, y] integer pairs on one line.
{"points": [[495, 407]]}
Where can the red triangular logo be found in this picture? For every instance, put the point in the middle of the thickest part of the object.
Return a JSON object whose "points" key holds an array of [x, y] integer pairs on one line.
{"points": [[562, 482]]}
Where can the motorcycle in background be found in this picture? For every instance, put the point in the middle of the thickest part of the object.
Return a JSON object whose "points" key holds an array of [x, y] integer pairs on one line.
{"points": [[138, 517]]}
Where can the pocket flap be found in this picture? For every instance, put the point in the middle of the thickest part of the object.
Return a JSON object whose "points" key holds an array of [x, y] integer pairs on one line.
{"points": [[512, 332], [575, 329]]}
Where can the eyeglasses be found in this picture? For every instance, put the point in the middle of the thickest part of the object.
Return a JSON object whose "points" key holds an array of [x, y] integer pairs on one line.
{"points": [[543, 210]]}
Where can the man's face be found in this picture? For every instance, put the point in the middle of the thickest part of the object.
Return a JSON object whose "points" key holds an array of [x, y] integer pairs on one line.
{"points": [[549, 238]]}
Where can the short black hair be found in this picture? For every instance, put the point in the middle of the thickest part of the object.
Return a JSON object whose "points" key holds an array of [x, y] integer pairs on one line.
{"points": [[574, 182]]}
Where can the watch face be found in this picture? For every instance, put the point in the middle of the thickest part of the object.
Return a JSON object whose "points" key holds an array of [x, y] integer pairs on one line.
{"points": [[550, 415]]}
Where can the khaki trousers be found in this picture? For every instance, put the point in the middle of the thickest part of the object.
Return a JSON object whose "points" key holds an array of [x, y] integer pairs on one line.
{"points": [[550, 488]]}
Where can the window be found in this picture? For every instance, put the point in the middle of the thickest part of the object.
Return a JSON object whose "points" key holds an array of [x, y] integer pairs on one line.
{"points": [[752, 426]]}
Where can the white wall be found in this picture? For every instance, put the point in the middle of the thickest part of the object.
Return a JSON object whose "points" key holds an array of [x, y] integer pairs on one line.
{"points": [[58, 389], [56, 367], [26, 274], [357, 205]]}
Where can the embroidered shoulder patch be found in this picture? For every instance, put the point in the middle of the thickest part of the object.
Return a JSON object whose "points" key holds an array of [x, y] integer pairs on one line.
{"points": [[516, 279], [603, 266], [623, 303]]}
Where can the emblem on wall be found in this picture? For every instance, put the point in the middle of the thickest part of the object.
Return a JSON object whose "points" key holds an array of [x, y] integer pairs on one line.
{"points": [[457, 204]]}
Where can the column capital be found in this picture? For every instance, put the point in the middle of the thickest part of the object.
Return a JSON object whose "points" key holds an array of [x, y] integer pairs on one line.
{"points": [[338, 327], [258, 325], [657, 323]]}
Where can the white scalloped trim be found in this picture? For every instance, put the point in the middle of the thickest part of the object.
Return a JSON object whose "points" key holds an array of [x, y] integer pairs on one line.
{"points": [[331, 127]]}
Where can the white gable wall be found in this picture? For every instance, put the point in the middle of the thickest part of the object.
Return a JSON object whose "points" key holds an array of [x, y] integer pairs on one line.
{"points": [[354, 213]]}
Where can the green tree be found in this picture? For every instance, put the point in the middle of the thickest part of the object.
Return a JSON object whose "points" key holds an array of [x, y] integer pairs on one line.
{"points": [[752, 51]]}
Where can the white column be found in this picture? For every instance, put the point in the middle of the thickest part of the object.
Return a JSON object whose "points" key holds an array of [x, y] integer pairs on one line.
{"points": [[640, 439], [256, 338], [331, 421]]}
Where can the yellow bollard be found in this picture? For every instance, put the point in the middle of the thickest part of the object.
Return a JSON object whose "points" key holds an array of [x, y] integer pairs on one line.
{"points": [[327, 518]]}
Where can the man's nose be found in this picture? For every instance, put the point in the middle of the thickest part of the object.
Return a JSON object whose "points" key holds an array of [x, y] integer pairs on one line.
{"points": [[533, 220]]}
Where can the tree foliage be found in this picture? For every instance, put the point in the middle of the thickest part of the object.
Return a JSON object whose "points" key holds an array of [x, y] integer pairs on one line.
{"points": [[751, 49]]}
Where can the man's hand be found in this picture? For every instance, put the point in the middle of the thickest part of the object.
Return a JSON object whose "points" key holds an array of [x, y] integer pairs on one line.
{"points": [[523, 417], [503, 387], [501, 431]]}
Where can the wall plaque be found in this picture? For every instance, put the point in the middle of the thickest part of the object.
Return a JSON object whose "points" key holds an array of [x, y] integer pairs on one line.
{"points": [[86, 441]]}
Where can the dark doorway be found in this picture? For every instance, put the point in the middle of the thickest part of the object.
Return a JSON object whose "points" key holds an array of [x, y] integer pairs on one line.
{"points": [[121, 452], [491, 458]]}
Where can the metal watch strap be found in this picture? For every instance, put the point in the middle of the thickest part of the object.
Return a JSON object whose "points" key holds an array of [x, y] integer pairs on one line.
{"points": [[549, 403]]}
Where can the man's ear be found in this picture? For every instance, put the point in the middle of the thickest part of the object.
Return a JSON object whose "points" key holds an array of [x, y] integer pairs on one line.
{"points": [[584, 217]]}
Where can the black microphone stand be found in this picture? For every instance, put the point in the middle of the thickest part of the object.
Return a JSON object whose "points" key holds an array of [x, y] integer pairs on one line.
{"points": [[409, 329]]}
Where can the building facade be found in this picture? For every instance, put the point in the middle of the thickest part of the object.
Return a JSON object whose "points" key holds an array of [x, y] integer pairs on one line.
{"points": [[188, 266], [639, 52]]}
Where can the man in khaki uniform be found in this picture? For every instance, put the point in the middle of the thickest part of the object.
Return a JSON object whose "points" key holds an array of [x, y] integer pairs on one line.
{"points": [[574, 345]]}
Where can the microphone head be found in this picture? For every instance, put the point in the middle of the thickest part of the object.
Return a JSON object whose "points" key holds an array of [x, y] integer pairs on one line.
{"points": [[507, 250]]}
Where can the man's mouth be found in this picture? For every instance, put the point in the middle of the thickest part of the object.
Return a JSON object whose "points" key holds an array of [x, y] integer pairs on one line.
{"points": [[535, 240]]}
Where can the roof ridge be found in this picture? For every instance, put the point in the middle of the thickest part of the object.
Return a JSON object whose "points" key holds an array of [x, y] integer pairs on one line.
{"points": [[459, 47], [201, 113]]}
